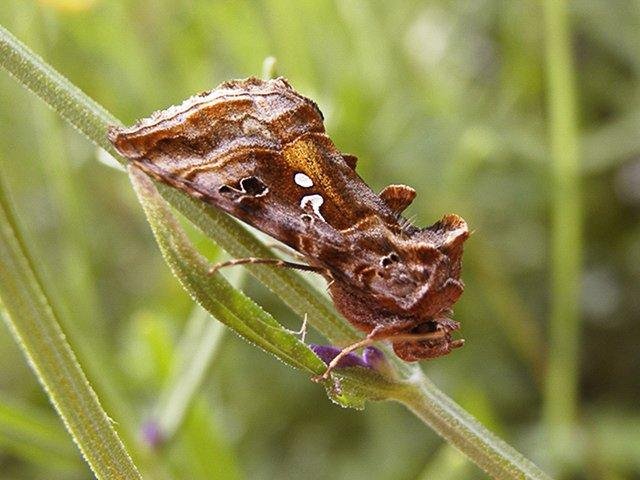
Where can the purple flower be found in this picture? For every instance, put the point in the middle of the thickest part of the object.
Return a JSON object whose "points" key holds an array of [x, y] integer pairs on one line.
{"points": [[374, 358], [371, 356], [151, 434]]}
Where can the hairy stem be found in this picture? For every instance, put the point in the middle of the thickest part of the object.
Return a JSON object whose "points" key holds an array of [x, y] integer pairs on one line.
{"points": [[33, 324], [460, 429]]}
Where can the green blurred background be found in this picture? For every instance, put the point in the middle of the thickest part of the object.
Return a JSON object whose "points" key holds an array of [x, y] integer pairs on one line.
{"points": [[447, 96]]}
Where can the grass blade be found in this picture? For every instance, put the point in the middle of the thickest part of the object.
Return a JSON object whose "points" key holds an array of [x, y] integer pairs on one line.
{"points": [[561, 394], [35, 328]]}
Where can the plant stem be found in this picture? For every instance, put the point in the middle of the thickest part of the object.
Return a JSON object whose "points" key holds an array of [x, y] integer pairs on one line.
{"points": [[36, 330], [460, 429], [564, 332], [67, 196], [79, 311]]}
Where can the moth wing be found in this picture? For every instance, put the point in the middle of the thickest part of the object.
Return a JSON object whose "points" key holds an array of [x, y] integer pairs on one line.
{"points": [[249, 186], [257, 150]]}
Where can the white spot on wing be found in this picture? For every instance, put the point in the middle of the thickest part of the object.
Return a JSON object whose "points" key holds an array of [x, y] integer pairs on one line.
{"points": [[315, 201], [302, 180]]}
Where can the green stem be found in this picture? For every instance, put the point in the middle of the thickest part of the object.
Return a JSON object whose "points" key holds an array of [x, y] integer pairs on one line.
{"points": [[460, 429], [562, 379], [79, 308], [67, 196], [35, 328]]}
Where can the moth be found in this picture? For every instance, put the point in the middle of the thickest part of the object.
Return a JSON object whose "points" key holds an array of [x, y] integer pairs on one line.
{"points": [[258, 150]]}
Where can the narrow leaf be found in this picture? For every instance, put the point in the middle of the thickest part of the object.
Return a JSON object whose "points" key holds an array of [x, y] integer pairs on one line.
{"points": [[37, 331]]}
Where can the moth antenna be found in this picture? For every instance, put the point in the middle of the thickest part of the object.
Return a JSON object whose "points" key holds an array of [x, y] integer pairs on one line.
{"points": [[264, 261], [286, 250]]}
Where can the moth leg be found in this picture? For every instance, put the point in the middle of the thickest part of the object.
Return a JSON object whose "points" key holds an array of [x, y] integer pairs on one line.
{"points": [[378, 333], [303, 329], [344, 352], [268, 261], [371, 338], [410, 347]]}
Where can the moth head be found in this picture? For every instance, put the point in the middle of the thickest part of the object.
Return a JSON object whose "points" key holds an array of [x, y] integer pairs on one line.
{"points": [[421, 275]]}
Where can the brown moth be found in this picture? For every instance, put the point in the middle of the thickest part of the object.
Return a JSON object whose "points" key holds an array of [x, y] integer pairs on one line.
{"points": [[258, 150]]}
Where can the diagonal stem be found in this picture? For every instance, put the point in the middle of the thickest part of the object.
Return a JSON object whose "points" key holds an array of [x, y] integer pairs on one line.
{"points": [[459, 428], [36, 330]]}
